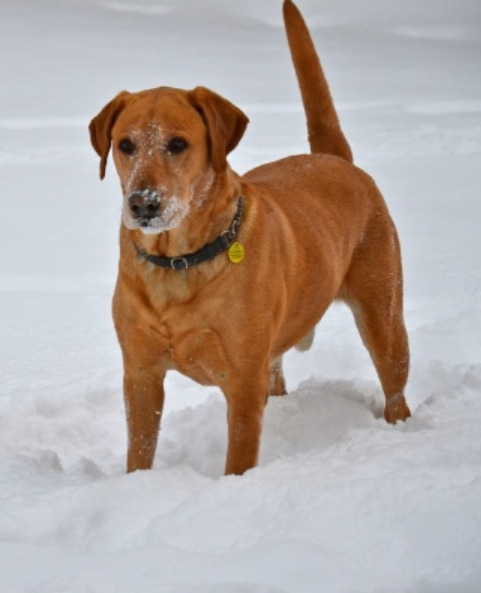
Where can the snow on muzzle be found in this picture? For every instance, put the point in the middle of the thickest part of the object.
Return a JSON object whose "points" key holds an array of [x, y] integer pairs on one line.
{"points": [[144, 205], [152, 212]]}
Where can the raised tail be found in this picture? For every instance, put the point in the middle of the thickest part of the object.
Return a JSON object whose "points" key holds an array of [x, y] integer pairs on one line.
{"points": [[324, 130]]}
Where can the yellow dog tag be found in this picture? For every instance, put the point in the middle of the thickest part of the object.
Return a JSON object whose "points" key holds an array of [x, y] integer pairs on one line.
{"points": [[236, 253]]}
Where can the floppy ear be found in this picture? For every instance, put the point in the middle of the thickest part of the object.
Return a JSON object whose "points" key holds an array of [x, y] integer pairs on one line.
{"points": [[225, 123], [101, 127]]}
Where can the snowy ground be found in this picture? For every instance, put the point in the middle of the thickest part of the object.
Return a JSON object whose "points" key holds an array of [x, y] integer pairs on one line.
{"points": [[341, 502]]}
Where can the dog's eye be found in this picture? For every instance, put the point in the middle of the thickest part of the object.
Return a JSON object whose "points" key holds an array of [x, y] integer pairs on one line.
{"points": [[127, 146], [177, 145]]}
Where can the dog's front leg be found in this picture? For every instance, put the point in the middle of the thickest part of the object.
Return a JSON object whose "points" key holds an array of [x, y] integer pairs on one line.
{"points": [[144, 398], [245, 409]]}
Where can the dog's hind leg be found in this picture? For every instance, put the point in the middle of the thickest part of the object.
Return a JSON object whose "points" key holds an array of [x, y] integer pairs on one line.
{"points": [[382, 330], [373, 290], [277, 384]]}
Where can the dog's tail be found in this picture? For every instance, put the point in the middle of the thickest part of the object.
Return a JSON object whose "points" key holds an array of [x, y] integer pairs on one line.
{"points": [[324, 130]]}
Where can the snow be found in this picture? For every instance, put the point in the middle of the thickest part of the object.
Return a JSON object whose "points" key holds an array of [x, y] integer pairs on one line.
{"points": [[341, 502]]}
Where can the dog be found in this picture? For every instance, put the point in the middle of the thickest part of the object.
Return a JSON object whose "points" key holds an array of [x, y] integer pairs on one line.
{"points": [[221, 274]]}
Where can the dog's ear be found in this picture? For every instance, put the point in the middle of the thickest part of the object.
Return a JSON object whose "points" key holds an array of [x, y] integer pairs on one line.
{"points": [[101, 128], [225, 123]]}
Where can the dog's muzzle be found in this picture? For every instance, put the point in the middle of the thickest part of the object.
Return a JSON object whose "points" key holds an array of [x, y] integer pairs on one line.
{"points": [[144, 205]]}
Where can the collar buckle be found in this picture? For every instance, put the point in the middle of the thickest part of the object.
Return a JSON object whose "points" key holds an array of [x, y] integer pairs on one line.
{"points": [[179, 263]]}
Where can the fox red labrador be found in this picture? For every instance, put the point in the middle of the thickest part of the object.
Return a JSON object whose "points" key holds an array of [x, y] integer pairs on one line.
{"points": [[220, 274]]}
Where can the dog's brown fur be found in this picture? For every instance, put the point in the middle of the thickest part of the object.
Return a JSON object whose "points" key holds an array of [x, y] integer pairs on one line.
{"points": [[315, 228]]}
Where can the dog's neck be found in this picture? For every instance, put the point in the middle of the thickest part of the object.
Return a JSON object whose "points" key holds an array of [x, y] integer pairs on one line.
{"points": [[209, 215]]}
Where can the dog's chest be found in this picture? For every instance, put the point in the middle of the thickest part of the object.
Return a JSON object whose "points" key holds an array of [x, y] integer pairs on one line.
{"points": [[194, 351], [201, 356]]}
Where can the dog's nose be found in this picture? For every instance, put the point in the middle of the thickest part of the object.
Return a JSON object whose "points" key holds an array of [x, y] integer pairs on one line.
{"points": [[144, 204]]}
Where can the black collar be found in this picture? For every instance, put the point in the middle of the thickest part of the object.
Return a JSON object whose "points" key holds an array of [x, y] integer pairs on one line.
{"points": [[209, 251]]}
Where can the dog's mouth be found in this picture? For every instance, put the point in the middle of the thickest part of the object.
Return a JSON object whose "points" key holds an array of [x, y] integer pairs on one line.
{"points": [[151, 213]]}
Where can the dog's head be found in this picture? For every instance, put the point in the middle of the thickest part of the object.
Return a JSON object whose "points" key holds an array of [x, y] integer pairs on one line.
{"points": [[168, 146]]}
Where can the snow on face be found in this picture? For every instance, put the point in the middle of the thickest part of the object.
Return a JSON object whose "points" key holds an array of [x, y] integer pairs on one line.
{"points": [[170, 217], [173, 201]]}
